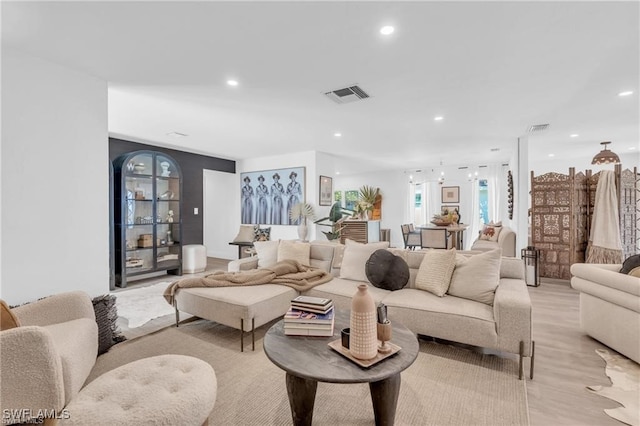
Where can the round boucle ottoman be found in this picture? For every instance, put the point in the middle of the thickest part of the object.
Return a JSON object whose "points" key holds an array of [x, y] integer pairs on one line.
{"points": [[161, 390]]}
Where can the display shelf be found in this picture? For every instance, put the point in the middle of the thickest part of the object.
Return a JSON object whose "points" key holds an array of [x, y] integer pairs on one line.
{"points": [[147, 187]]}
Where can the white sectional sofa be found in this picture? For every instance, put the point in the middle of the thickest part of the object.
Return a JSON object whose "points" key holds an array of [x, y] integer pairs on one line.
{"points": [[609, 306], [505, 325]]}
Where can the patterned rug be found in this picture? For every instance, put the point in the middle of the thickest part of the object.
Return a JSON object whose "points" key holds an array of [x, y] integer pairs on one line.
{"points": [[141, 305], [624, 389]]}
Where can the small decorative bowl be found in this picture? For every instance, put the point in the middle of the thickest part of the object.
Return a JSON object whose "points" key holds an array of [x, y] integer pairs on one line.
{"points": [[441, 222]]}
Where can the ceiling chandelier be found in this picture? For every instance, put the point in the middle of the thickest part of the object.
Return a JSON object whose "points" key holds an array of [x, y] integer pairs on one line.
{"points": [[605, 156]]}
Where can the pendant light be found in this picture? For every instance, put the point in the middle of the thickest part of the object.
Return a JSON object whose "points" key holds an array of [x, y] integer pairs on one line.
{"points": [[605, 156]]}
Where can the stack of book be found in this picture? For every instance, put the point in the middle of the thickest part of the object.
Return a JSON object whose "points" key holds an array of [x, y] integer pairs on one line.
{"points": [[309, 316]]}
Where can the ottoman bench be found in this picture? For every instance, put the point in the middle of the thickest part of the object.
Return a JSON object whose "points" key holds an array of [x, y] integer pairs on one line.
{"points": [[236, 307], [161, 390]]}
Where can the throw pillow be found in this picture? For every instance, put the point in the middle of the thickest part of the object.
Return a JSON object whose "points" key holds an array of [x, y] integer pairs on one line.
{"points": [[491, 231], [436, 268], [386, 270], [106, 317], [294, 250], [635, 272], [630, 264], [262, 234], [267, 252], [355, 258], [477, 277], [245, 234], [7, 318]]}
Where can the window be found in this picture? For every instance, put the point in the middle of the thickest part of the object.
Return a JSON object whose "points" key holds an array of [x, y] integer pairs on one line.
{"points": [[484, 201]]}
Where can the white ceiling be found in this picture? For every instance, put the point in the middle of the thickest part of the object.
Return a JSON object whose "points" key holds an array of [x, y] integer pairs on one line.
{"points": [[490, 68]]}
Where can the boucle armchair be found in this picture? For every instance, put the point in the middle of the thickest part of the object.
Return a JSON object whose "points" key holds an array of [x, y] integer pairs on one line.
{"points": [[45, 361]]}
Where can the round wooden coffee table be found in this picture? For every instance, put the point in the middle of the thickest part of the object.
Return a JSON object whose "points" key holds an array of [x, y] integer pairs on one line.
{"points": [[309, 360]]}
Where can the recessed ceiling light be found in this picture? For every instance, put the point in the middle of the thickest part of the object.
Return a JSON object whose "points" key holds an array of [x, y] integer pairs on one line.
{"points": [[574, 135], [337, 173], [232, 83], [626, 93], [177, 134], [632, 148], [438, 118], [387, 30], [552, 155], [337, 134]]}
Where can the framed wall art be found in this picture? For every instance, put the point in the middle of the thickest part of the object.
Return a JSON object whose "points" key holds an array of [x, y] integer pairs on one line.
{"points": [[267, 196], [450, 194], [326, 190]]}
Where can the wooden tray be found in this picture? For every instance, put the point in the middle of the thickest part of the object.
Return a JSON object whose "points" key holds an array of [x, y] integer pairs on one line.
{"points": [[336, 345]]}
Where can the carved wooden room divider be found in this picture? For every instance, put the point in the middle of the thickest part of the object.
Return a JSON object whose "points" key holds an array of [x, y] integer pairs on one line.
{"points": [[561, 211]]}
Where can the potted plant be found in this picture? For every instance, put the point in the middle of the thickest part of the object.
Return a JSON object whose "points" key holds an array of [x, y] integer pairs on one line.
{"points": [[299, 214], [368, 195], [337, 214]]}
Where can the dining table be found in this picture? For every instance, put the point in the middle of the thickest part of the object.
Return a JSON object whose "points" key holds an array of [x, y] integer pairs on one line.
{"points": [[455, 231]]}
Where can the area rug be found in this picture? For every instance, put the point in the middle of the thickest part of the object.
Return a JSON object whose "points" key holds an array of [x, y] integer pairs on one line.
{"points": [[141, 305], [624, 389], [446, 385]]}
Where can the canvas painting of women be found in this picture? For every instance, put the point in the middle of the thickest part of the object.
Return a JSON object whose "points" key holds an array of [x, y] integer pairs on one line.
{"points": [[268, 201], [294, 194], [262, 194], [246, 209], [277, 201]]}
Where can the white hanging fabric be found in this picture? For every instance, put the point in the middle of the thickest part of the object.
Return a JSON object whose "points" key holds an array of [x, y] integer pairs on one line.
{"points": [[475, 225], [494, 176], [605, 245]]}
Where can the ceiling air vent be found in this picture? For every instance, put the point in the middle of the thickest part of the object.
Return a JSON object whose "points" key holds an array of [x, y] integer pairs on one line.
{"points": [[537, 128], [346, 95]]}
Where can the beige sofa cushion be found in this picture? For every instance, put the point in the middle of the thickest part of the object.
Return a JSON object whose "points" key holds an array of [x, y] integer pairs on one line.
{"points": [[476, 277], [435, 271], [267, 252], [294, 250], [355, 258]]}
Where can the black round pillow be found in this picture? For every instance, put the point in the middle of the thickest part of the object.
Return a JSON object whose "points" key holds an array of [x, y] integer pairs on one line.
{"points": [[386, 270], [630, 264]]}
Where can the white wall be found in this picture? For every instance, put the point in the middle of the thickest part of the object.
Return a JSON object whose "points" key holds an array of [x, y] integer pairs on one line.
{"points": [[55, 185], [221, 197]]}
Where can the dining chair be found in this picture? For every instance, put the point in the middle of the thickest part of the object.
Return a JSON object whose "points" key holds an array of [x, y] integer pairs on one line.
{"points": [[411, 238], [434, 238]]}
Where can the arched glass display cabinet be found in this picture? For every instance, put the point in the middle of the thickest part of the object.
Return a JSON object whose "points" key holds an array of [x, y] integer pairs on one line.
{"points": [[147, 216]]}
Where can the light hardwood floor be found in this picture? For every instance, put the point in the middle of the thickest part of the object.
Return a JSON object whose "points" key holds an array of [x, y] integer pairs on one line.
{"points": [[566, 361]]}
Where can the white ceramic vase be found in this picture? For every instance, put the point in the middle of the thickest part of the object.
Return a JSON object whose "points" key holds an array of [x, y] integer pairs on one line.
{"points": [[302, 232]]}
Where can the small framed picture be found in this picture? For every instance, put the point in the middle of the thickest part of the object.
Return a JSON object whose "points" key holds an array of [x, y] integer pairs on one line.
{"points": [[326, 190], [449, 208], [450, 194]]}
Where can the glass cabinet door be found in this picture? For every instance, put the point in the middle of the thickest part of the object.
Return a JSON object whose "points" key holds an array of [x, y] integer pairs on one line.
{"points": [[138, 230], [168, 212]]}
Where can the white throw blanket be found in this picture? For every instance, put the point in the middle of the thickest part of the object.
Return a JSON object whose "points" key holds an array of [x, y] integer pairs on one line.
{"points": [[605, 245]]}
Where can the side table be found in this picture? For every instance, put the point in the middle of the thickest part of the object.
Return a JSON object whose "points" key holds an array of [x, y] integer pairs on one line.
{"points": [[309, 360]]}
